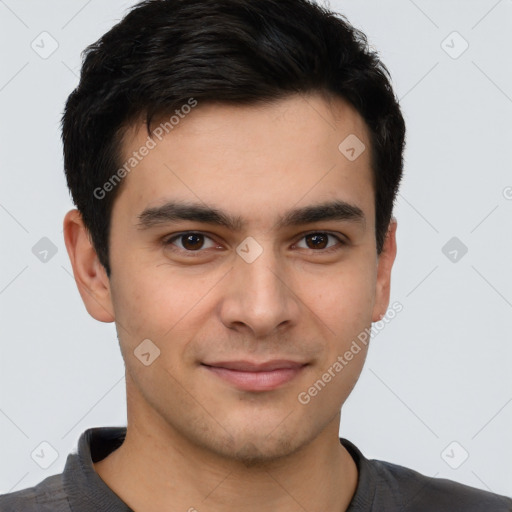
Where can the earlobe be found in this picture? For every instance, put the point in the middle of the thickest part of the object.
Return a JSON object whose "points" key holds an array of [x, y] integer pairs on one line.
{"points": [[90, 275], [384, 266]]}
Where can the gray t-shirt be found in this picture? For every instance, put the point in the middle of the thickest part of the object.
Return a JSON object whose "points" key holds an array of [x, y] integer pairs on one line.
{"points": [[381, 487]]}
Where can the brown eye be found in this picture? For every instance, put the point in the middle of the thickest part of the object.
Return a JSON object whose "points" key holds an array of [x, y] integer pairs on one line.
{"points": [[189, 242], [192, 241], [319, 242]]}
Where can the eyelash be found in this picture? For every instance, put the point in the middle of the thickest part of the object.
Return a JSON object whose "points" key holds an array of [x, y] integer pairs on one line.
{"points": [[167, 242]]}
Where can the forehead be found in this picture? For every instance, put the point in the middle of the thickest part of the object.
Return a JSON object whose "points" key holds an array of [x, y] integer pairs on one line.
{"points": [[261, 159]]}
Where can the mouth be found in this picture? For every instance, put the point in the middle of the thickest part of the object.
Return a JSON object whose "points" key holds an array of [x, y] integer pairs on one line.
{"points": [[254, 376]]}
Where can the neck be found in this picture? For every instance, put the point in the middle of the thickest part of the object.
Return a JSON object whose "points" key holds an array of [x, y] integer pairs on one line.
{"points": [[156, 466]]}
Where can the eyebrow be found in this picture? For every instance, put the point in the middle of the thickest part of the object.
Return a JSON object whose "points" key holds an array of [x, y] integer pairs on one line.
{"points": [[173, 211]]}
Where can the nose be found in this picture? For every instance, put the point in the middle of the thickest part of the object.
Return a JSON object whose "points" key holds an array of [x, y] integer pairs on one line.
{"points": [[259, 297]]}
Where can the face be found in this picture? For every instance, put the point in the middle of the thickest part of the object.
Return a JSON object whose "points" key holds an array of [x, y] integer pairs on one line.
{"points": [[225, 256]]}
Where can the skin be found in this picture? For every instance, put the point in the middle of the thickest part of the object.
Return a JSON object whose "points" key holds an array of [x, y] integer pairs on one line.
{"points": [[195, 441]]}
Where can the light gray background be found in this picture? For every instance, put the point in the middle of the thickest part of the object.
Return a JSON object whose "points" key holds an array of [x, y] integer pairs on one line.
{"points": [[439, 372]]}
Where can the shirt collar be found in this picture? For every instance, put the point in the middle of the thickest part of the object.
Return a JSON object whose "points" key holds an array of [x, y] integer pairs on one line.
{"points": [[86, 491]]}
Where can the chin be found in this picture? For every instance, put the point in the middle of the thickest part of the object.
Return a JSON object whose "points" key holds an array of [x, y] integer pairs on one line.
{"points": [[256, 449], [257, 454]]}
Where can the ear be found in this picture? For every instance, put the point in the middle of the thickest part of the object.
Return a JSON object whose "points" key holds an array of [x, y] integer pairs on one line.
{"points": [[384, 264], [90, 275]]}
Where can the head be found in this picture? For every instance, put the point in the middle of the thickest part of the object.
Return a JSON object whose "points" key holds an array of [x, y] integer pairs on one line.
{"points": [[270, 131]]}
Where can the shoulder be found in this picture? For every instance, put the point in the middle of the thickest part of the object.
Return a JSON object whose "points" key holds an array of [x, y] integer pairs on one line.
{"points": [[413, 491], [47, 496]]}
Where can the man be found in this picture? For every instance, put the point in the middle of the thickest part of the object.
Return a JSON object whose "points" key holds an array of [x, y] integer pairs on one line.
{"points": [[234, 166]]}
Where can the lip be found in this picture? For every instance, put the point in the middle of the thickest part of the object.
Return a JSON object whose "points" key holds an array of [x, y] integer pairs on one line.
{"points": [[256, 376]]}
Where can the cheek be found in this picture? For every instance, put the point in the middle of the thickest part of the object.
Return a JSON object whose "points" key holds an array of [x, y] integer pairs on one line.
{"points": [[343, 298], [159, 302]]}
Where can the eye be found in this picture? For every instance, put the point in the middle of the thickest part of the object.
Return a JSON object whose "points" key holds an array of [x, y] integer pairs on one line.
{"points": [[318, 241], [190, 242]]}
